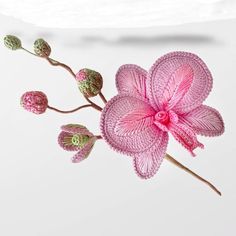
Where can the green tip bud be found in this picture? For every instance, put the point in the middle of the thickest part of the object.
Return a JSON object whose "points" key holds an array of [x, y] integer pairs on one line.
{"points": [[89, 82], [12, 42], [42, 48]]}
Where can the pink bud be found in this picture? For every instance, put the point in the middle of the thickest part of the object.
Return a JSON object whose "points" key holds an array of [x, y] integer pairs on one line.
{"points": [[34, 101]]}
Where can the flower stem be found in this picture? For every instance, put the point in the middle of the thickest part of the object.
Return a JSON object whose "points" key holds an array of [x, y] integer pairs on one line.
{"points": [[98, 136], [52, 62], [175, 162], [29, 52], [95, 106], [70, 111], [56, 63], [102, 97]]}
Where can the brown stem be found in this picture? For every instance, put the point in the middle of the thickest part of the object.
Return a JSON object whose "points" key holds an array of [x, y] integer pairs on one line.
{"points": [[102, 97], [175, 162], [56, 63], [93, 104], [70, 111], [98, 136]]}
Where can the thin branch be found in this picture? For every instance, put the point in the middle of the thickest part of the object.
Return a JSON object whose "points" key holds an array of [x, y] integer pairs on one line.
{"points": [[175, 162], [55, 63], [70, 111], [53, 60], [93, 104], [102, 97], [98, 136]]}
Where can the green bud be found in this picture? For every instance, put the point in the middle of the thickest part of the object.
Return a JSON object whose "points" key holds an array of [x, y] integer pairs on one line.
{"points": [[90, 82], [12, 42], [42, 48]]}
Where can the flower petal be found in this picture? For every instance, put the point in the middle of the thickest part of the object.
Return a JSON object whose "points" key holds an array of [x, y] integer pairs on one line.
{"points": [[185, 136], [147, 164], [64, 140], [178, 85], [131, 79], [84, 152], [161, 82], [76, 129], [204, 120], [114, 111], [135, 121]]}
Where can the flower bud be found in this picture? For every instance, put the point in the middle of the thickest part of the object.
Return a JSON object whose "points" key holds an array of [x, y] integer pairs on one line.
{"points": [[75, 137], [42, 48], [12, 42], [89, 82], [34, 101]]}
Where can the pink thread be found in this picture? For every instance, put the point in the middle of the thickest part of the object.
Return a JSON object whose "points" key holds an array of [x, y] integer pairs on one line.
{"points": [[81, 75], [66, 135], [149, 105], [34, 101]]}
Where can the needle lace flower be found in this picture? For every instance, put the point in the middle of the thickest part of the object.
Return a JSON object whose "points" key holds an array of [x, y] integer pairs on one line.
{"points": [[151, 105]]}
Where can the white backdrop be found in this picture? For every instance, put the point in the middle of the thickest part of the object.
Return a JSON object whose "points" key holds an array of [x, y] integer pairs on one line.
{"points": [[116, 13], [43, 194]]}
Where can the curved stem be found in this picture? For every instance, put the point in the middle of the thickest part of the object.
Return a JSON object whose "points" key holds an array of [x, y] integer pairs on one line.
{"points": [[102, 97], [36, 54], [52, 62], [55, 63], [175, 162], [98, 136], [70, 111], [29, 52], [93, 104]]}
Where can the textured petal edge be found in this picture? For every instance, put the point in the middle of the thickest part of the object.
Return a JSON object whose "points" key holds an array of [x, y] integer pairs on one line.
{"points": [[108, 104], [173, 54], [130, 66]]}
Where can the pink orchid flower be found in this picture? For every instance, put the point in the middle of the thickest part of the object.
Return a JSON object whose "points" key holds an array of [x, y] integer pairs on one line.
{"points": [[151, 105]]}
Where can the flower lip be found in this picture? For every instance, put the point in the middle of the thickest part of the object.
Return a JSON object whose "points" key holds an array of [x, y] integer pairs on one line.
{"points": [[162, 117]]}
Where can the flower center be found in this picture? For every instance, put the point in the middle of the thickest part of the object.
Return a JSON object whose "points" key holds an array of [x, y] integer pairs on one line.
{"points": [[75, 139], [162, 117], [79, 140]]}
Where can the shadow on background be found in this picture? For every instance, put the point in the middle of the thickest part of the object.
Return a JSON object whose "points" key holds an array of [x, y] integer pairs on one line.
{"points": [[144, 40], [139, 40]]}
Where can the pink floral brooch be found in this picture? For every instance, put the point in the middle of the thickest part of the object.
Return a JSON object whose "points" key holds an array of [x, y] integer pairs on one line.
{"points": [[150, 106]]}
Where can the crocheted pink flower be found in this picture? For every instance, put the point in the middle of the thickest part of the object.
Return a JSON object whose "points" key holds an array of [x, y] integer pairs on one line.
{"points": [[151, 105], [76, 137], [34, 101]]}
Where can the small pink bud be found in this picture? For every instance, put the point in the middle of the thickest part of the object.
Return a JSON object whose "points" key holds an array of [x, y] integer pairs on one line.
{"points": [[34, 101]]}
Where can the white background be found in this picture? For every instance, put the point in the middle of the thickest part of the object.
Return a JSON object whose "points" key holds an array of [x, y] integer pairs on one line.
{"points": [[43, 194]]}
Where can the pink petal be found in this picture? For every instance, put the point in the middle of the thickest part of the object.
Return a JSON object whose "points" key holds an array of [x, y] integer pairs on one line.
{"points": [[84, 152], [64, 145], [76, 129], [204, 120], [185, 136], [162, 82], [178, 85], [147, 164], [135, 121], [129, 144], [131, 79]]}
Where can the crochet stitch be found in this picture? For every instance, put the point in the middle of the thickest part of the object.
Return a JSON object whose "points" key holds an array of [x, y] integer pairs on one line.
{"points": [[149, 106]]}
